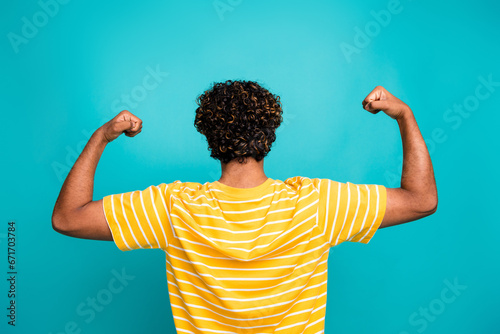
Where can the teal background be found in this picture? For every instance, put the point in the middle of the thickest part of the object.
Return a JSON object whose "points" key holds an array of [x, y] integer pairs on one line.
{"points": [[64, 82]]}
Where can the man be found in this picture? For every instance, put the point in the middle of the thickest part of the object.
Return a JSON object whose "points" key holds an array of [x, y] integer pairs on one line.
{"points": [[246, 253]]}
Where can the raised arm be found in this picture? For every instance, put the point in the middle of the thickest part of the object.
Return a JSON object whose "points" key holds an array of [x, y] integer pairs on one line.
{"points": [[417, 196], [75, 213]]}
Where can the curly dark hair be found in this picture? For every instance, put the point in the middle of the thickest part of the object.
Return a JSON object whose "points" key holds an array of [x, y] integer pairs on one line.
{"points": [[239, 120]]}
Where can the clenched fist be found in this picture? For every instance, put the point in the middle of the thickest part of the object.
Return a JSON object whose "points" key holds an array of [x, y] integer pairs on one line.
{"points": [[381, 99], [124, 122]]}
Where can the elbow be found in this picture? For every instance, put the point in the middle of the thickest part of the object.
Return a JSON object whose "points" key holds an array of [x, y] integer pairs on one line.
{"points": [[56, 223], [428, 204], [431, 208], [59, 223]]}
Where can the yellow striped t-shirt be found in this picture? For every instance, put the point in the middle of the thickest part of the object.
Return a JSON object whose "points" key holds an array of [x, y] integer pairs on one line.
{"points": [[246, 260]]}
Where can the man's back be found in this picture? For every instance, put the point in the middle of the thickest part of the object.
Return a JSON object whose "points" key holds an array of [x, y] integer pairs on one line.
{"points": [[250, 260]]}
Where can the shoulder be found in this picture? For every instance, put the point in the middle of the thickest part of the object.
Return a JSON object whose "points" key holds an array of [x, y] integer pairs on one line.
{"points": [[322, 185], [179, 185], [298, 182], [180, 188]]}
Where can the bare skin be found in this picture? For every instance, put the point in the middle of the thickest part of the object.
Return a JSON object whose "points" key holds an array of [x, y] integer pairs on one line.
{"points": [[417, 196], [243, 175], [76, 214]]}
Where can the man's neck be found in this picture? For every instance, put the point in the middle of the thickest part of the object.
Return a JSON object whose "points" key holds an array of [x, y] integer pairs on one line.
{"points": [[243, 175]]}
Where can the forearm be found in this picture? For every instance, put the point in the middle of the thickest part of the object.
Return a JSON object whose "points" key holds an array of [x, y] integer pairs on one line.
{"points": [[77, 190], [417, 195], [417, 176]]}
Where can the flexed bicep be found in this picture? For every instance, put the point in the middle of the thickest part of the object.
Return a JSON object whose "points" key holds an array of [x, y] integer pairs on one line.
{"points": [[87, 222], [403, 207]]}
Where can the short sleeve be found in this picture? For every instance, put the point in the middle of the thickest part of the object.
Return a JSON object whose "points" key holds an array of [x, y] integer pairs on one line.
{"points": [[138, 219], [353, 212]]}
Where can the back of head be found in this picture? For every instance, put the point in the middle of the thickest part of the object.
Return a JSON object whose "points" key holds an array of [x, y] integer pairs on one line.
{"points": [[239, 119]]}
